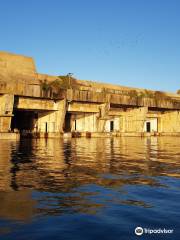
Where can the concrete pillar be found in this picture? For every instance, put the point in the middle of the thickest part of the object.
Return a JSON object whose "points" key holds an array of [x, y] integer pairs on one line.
{"points": [[101, 125], [104, 110], [103, 114], [6, 109], [62, 107], [160, 125], [122, 124]]}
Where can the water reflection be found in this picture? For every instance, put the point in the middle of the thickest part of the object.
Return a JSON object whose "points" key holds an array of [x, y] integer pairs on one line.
{"points": [[60, 165], [17, 205], [55, 177]]}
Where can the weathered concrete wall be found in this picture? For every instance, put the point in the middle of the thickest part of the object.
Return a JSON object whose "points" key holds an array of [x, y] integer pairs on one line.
{"points": [[121, 99], [170, 122], [6, 104], [84, 122], [18, 75], [5, 123], [13, 67], [133, 120]]}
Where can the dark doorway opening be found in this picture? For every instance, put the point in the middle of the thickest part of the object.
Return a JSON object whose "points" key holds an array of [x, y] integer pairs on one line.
{"points": [[111, 126], [23, 120], [46, 127], [67, 123], [148, 127], [75, 125]]}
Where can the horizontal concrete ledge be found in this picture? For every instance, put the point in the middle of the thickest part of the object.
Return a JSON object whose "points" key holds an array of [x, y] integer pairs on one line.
{"points": [[16, 136], [9, 136], [176, 134], [51, 135], [42, 135], [107, 135]]}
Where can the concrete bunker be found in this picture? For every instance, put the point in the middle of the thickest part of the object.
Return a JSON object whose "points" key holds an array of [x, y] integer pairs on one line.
{"points": [[84, 106]]}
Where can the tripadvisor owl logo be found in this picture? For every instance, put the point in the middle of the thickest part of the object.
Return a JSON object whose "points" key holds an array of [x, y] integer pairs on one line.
{"points": [[139, 231]]}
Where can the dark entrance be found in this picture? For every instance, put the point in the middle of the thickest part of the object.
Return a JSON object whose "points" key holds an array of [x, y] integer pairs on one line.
{"points": [[46, 127], [23, 120], [111, 126], [75, 125], [67, 123], [148, 127]]}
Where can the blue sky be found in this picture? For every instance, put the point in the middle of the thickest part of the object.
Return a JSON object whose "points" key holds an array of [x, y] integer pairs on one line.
{"points": [[127, 42]]}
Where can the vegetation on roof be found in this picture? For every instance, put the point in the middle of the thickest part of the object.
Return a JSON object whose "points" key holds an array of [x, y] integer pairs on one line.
{"points": [[63, 83], [55, 87]]}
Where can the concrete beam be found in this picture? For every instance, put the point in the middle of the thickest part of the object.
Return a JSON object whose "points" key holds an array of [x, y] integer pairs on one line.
{"points": [[36, 104], [83, 107]]}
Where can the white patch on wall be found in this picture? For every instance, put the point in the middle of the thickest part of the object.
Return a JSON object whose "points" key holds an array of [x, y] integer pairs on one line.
{"points": [[112, 125], [151, 125], [84, 122]]}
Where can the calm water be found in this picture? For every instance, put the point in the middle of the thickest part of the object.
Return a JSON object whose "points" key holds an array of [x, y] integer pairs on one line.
{"points": [[89, 188]]}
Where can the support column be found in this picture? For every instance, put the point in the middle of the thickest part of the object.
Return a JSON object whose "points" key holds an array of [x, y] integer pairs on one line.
{"points": [[6, 109], [103, 116], [60, 116], [122, 123]]}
